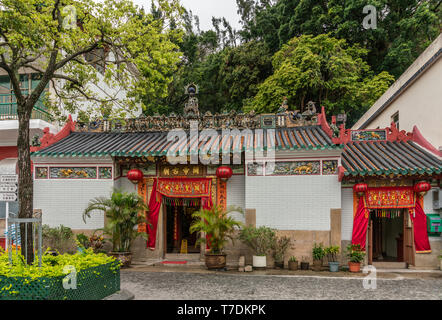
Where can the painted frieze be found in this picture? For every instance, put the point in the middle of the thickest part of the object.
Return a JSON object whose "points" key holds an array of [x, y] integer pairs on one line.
{"points": [[105, 173], [330, 167], [41, 173], [368, 135], [255, 168], [73, 172], [286, 168]]}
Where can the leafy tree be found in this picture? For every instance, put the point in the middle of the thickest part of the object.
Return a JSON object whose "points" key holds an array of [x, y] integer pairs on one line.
{"points": [[322, 69], [52, 37], [404, 27]]}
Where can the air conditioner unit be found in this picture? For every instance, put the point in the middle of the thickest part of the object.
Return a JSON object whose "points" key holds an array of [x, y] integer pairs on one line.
{"points": [[437, 199]]}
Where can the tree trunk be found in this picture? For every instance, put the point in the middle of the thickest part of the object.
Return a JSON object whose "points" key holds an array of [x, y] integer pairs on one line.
{"points": [[25, 183]]}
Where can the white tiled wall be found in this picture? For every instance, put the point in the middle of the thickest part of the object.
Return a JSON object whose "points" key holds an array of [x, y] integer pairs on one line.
{"points": [[347, 213], [293, 202], [63, 201], [125, 185], [236, 195]]}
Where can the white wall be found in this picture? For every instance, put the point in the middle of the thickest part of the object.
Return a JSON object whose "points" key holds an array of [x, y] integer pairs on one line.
{"points": [[236, 195], [63, 201], [293, 202], [125, 185], [347, 213]]}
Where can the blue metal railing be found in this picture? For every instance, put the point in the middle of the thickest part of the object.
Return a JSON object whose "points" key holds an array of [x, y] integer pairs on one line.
{"points": [[8, 109]]}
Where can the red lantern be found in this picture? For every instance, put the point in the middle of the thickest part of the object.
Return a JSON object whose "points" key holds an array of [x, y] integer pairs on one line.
{"points": [[224, 173], [135, 175], [422, 187], [360, 188]]}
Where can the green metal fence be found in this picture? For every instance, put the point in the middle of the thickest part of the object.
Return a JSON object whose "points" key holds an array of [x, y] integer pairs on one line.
{"points": [[8, 109], [92, 284]]}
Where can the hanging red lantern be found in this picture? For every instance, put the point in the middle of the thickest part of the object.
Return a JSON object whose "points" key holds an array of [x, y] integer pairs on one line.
{"points": [[135, 175], [422, 187], [224, 173], [360, 188]]}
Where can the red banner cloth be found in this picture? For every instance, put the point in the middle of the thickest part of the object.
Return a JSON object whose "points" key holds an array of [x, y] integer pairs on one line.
{"points": [[421, 242], [152, 217], [360, 223], [390, 197]]}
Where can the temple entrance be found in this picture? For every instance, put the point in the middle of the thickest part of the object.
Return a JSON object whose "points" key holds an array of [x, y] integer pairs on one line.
{"points": [[390, 237], [178, 219]]}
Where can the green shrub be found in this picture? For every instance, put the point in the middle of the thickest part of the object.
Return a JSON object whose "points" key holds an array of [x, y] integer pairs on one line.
{"points": [[280, 247], [292, 259], [60, 239], [260, 240], [51, 266], [355, 253], [332, 253], [318, 252]]}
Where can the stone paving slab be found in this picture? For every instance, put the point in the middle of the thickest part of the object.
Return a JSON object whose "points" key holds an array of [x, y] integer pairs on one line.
{"points": [[186, 285]]}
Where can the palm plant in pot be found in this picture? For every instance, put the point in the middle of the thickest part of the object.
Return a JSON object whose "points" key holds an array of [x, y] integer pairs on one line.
{"points": [[356, 256], [123, 211], [260, 240], [218, 227], [332, 256], [280, 246], [318, 254]]}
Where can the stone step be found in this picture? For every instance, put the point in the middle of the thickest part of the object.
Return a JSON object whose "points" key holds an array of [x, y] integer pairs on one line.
{"points": [[389, 265], [181, 257]]}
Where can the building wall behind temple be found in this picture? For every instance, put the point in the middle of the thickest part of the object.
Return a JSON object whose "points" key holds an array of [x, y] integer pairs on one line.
{"points": [[293, 202]]}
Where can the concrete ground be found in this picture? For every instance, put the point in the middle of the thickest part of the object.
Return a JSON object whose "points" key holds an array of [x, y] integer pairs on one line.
{"points": [[184, 283]]}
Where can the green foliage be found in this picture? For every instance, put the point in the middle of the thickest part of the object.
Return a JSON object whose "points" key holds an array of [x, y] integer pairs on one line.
{"points": [[404, 28], [292, 259], [280, 247], [354, 253], [332, 253], [318, 251], [321, 69], [123, 211], [217, 225], [261, 240], [59, 238], [52, 266]]}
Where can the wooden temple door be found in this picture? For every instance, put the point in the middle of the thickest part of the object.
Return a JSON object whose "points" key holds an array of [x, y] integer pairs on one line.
{"points": [[408, 240], [370, 240]]}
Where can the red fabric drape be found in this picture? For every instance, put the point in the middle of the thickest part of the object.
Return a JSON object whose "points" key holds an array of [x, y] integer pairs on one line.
{"points": [[152, 217], [421, 242], [360, 223]]}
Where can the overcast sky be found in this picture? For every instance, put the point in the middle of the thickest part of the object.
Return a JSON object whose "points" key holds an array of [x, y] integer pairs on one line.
{"points": [[205, 9]]}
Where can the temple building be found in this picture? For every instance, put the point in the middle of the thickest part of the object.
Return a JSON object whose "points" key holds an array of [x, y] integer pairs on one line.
{"points": [[310, 179]]}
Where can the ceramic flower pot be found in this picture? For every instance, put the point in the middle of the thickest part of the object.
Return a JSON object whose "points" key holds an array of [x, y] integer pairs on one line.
{"points": [[305, 265], [354, 266], [215, 261], [124, 257], [293, 265], [259, 262], [334, 266], [317, 265]]}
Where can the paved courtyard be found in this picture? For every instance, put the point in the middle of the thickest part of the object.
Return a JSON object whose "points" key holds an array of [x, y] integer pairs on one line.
{"points": [[203, 285]]}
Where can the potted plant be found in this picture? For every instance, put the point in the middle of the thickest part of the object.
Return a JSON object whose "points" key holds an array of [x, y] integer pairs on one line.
{"points": [[123, 211], [318, 254], [218, 227], [332, 256], [356, 256], [305, 264], [293, 263], [260, 240], [280, 246]]}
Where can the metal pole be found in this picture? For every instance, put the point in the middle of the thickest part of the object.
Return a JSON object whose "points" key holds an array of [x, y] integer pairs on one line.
{"points": [[40, 239], [7, 226]]}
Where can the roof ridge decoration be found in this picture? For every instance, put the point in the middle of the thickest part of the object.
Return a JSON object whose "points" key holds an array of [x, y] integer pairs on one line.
{"points": [[49, 138]]}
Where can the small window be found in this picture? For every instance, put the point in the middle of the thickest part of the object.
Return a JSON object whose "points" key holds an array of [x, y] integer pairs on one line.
{"points": [[395, 119]]}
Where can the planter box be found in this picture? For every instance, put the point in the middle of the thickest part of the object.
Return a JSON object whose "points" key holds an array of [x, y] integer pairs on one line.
{"points": [[93, 283]]}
